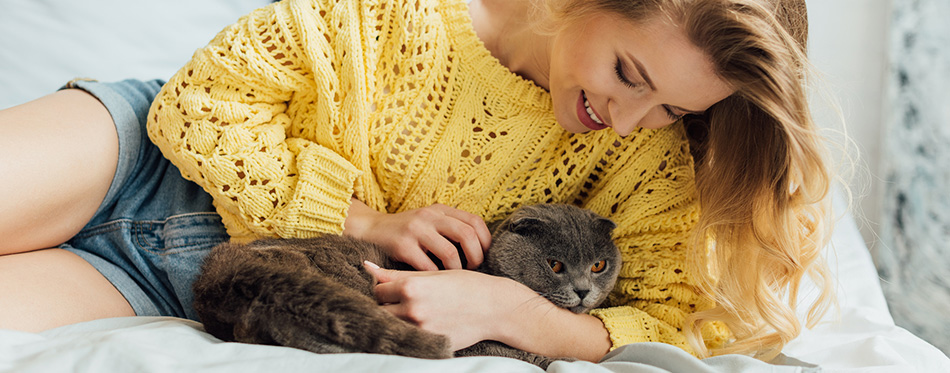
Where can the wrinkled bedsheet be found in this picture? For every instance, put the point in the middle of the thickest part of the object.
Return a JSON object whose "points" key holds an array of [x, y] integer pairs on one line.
{"points": [[861, 337]]}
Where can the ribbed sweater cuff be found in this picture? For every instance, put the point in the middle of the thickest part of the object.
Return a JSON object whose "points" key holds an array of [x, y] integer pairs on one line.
{"points": [[322, 195], [625, 325], [628, 325]]}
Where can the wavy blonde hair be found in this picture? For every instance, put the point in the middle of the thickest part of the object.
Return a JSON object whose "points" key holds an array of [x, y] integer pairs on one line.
{"points": [[761, 169]]}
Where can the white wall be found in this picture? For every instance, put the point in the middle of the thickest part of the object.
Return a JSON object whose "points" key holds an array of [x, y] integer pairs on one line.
{"points": [[847, 45]]}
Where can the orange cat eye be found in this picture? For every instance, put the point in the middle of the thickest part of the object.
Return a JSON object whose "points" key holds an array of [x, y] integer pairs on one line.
{"points": [[556, 266], [599, 266]]}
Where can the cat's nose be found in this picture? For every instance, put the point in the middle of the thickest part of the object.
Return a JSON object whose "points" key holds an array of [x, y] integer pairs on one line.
{"points": [[582, 293]]}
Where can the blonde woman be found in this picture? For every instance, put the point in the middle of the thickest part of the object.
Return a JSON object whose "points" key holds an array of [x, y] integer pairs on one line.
{"points": [[411, 123]]}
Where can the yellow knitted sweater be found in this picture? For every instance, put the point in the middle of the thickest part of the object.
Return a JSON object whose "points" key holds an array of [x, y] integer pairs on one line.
{"points": [[298, 106]]}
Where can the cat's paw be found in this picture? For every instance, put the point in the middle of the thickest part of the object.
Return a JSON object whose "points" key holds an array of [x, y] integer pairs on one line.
{"points": [[544, 361], [421, 344], [493, 348]]}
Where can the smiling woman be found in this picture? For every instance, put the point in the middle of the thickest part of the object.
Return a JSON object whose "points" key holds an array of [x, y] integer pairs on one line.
{"points": [[629, 74], [409, 123], [602, 69], [739, 66]]}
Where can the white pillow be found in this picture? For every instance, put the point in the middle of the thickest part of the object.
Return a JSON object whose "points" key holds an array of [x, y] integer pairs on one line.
{"points": [[45, 43]]}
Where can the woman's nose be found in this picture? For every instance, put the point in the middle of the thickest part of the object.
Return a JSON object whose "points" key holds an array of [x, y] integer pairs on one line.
{"points": [[625, 117]]}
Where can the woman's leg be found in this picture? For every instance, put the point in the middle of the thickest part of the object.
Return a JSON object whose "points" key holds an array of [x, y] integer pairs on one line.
{"points": [[59, 155], [44, 289]]}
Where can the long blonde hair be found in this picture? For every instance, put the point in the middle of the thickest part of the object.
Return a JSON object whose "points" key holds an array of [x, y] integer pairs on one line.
{"points": [[761, 169]]}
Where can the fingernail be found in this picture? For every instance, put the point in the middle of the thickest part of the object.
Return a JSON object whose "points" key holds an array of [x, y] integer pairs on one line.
{"points": [[371, 264]]}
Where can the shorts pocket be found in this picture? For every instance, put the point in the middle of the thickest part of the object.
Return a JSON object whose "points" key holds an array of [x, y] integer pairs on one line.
{"points": [[177, 248]]}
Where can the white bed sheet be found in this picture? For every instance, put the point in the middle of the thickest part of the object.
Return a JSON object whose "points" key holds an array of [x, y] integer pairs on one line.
{"points": [[44, 43], [861, 337]]}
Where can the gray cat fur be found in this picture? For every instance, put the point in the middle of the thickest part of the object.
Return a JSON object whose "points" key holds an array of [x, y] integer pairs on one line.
{"points": [[314, 294]]}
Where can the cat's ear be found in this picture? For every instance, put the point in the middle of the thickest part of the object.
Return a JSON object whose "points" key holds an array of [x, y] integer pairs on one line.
{"points": [[525, 225], [604, 225]]}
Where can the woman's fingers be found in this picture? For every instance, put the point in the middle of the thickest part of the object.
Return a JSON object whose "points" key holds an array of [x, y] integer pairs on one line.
{"points": [[415, 257], [439, 244], [391, 287], [411, 236], [482, 234], [388, 293], [474, 254], [380, 274], [470, 232]]}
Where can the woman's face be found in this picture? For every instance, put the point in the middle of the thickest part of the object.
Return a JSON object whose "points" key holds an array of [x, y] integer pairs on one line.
{"points": [[609, 72]]}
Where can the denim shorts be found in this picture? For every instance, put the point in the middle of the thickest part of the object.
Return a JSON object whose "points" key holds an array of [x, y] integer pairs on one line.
{"points": [[154, 228]]}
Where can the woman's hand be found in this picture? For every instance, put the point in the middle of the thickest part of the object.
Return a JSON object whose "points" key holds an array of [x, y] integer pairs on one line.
{"points": [[466, 306], [408, 236]]}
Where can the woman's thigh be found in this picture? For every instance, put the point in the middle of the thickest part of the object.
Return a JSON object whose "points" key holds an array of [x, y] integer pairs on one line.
{"points": [[59, 155], [45, 289], [142, 236]]}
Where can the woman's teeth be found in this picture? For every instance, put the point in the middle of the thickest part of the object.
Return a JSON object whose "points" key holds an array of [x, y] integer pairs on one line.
{"points": [[590, 112]]}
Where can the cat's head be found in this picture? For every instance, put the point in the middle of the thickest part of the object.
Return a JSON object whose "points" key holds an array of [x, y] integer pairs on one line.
{"points": [[564, 253]]}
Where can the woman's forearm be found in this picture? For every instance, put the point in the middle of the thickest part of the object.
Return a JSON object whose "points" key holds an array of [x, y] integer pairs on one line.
{"points": [[541, 327], [469, 306]]}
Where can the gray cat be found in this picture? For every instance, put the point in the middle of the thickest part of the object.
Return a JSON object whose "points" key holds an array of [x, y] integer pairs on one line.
{"points": [[314, 294]]}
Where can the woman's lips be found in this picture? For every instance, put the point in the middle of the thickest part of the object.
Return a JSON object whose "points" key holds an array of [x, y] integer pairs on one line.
{"points": [[584, 117]]}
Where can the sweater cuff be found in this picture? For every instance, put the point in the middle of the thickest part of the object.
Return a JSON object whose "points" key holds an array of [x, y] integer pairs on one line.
{"points": [[627, 325], [325, 184]]}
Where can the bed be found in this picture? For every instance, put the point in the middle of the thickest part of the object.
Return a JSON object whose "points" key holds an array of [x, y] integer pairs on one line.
{"points": [[44, 43]]}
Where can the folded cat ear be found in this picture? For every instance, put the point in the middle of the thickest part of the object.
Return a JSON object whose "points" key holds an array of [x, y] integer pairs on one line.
{"points": [[605, 225], [525, 224]]}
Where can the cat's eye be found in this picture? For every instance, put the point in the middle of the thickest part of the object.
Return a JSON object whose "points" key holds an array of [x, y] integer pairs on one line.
{"points": [[599, 266], [556, 266]]}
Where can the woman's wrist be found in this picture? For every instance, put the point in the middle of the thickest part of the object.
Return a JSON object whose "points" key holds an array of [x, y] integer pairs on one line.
{"points": [[517, 301], [535, 324], [358, 218]]}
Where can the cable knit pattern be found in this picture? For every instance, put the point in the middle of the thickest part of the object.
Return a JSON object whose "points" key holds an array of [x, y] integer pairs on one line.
{"points": [[299, 105]]}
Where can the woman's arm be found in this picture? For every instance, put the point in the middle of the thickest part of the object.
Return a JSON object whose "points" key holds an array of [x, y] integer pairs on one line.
{"points": [[470, 307], [650, 194], [553, 331], [408, 236], [225, 120], [265, 118]]}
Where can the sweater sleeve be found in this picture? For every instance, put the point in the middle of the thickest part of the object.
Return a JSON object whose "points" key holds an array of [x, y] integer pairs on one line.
{"points": [[655, 210], [225, 119]]}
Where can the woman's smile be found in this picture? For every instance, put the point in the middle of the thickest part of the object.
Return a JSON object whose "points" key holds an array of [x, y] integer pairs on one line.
{"points": [[610, 72], [587, 115]]}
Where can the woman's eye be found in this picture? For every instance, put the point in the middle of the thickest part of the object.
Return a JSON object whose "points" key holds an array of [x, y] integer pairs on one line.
{"points": [[599, 266], [556, 266], [669, 112], [618, 69]]}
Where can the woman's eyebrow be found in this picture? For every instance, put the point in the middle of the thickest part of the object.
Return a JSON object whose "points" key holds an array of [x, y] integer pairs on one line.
{"points": [[646, 77], [642, 71]]}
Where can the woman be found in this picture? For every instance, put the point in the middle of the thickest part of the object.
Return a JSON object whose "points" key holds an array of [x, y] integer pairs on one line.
{"points": [[410, 123]]}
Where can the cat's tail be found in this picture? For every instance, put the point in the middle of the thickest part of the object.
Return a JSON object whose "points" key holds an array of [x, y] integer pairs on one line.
{"points": [[245, 297]]}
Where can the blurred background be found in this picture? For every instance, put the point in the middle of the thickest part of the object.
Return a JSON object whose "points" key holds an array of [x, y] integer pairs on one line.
{"points": [[885, 74]]}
